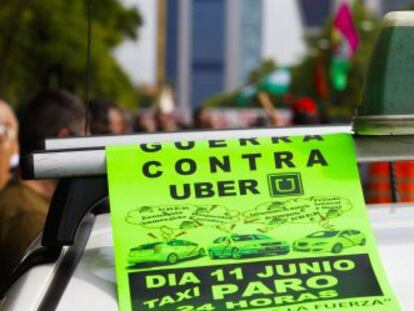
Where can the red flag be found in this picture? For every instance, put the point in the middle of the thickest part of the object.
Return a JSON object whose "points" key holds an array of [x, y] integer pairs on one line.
{"points": [[321, 81]]}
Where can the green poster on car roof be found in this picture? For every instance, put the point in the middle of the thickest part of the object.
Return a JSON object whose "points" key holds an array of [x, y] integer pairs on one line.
{"points": [[276, 223]]}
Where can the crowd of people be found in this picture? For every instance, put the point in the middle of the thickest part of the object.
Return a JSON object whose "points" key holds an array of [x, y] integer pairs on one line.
{"points": [[57, 113]]}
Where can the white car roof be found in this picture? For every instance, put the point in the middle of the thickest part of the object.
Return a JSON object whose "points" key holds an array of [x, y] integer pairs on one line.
{"points": [[92, 285]]}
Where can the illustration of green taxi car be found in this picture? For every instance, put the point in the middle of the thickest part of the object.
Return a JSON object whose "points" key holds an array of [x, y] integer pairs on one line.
{"points": [[237, 246], [329, 241], [165, 252]]}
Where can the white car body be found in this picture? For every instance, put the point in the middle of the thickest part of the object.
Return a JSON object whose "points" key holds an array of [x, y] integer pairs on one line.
{"points": [[318, 242], [92, 285], [163, 252]]}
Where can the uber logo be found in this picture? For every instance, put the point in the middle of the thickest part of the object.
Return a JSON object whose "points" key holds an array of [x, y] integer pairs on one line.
{"points": [[285, 184]]}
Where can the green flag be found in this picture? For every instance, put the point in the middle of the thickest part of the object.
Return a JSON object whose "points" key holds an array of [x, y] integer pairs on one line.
{"points": [[243, 224], [339, 72], [277, 83]]}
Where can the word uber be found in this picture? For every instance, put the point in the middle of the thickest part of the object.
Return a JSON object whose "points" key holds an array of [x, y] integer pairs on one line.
{"points": [[187, 166]]}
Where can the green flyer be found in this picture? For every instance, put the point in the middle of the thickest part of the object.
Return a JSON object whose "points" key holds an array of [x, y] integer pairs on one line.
{"points": [[270, 223]]}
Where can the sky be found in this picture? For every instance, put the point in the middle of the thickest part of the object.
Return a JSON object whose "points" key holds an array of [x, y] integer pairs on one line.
{"points": [[138, 58], [282, 38], [283, 32]]}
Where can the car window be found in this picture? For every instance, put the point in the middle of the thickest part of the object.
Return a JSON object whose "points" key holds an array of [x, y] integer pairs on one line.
{"points": [[241, 238], [323, 234], [262, 237], [355, 232], [175, 243], [146, 246], [218, 240]]}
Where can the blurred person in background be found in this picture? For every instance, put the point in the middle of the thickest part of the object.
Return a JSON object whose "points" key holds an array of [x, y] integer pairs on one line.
{"points": [[260, 121], [8, 142], [164, 114], [203, 119], [24, 204], [166, 121], [305, 112], [128, 120], [145, 122], [269, 108], [106, 118]]}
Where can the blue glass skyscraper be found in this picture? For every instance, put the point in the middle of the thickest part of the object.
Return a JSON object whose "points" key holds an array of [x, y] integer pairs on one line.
{"points": [[211, 46]]}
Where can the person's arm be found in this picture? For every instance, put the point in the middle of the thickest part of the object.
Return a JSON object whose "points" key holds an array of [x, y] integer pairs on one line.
{"points": [[267, 105]]}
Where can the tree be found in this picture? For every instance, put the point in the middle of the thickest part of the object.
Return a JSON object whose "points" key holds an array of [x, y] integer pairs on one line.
{"points": [[266, 68], [45, 42], [338, 104]]}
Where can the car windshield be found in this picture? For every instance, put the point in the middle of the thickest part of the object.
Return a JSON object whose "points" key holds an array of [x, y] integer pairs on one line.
{"points": [[262, 237], [238, 238], [323, 234], [177, 243], [146, 246]]}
